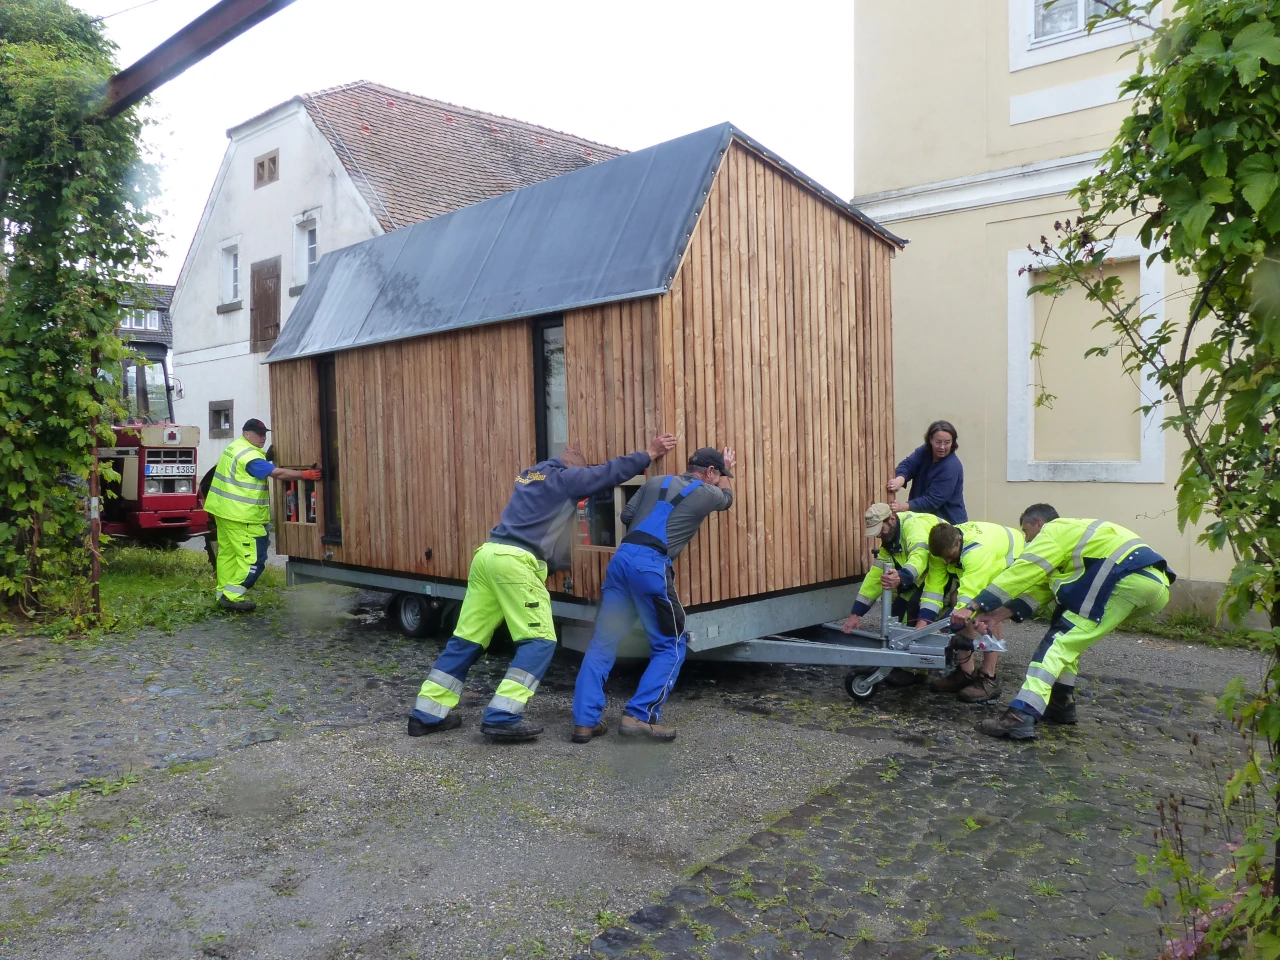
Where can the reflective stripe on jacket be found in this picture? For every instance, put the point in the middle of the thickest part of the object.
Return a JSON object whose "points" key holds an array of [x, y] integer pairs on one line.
{"points": [[988, 550], [1081, 561], [235, 494], [909, 555]]}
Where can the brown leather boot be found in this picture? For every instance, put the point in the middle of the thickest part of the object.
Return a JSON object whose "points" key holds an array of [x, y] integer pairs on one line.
{"points": [[1010, 725], [981, 689], [952, 682], [587, 734], [631, 727]]}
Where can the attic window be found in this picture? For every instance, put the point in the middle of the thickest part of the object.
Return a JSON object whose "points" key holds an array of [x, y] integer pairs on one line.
{"points": [[266, 169]]}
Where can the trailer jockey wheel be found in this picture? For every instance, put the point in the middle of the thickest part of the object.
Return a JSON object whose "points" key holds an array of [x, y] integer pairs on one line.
{"points": [[861, 684], [417, 616]]}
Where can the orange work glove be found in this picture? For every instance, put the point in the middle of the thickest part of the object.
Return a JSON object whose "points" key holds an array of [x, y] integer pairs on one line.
{"points": [[310, 474]]}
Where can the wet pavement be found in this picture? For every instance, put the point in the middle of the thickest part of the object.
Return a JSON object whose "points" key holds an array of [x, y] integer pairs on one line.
{"points": [[789, 822]]}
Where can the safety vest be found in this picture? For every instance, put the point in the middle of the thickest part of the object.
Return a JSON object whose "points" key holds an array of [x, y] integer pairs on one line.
{"points": [[987, 551], [909, 555], [235, 494], [1081, 561], [651, 531]]}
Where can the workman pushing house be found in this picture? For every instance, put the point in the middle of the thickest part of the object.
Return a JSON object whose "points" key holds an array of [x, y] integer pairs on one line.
{"points": [[661, 519], [507, 581], [240, 498]]}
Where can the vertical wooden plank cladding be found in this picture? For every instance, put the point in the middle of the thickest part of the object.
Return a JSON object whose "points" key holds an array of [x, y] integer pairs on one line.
{"points": [[796, 351], [774, 339]]}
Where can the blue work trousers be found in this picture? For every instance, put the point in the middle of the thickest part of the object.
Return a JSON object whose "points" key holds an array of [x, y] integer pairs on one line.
{"points": [[638, 583]]}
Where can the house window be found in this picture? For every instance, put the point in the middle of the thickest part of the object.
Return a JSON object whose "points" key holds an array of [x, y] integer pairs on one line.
{"points": [[153, 319], [221, 416], [330, 458], [133, 320], [230, 274], [306, 251], [266, 169], [1055, 19], [550, 403]]}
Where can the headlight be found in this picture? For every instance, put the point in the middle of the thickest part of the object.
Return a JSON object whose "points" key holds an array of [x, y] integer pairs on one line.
{"points": [[184, 486], [152, 486]]}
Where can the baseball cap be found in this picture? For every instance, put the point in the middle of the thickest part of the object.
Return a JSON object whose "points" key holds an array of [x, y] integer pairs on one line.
{"points": [[876, 515], [709, 457], [254, 425]]}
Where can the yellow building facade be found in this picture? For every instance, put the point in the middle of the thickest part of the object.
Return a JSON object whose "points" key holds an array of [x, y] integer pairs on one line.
{"points": [[972, 122]]}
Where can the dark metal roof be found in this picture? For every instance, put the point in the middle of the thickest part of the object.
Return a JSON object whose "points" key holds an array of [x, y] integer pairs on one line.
{"points": [[611, 231]]}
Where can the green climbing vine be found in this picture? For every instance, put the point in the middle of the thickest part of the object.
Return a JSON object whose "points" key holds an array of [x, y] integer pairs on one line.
{"points": [[75, 237]]}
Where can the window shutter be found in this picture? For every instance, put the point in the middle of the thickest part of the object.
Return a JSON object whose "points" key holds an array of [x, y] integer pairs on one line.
{"points": [[264, 304]]}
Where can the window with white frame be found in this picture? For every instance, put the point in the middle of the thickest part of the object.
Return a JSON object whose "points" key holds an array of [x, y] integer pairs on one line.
{"points": [[1058, 19], [230, 273], [1045, 31], [306, 247], [153, 319]]}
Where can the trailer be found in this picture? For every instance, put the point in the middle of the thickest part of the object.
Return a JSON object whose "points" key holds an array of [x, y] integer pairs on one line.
{"points": [[702, 286]]}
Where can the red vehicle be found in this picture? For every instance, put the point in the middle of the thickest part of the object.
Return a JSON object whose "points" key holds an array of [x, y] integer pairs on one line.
{"points": [[157, 498]]}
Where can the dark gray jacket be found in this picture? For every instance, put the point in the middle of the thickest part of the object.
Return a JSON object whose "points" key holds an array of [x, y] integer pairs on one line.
{"points": [[538, 515], [688, 514]]}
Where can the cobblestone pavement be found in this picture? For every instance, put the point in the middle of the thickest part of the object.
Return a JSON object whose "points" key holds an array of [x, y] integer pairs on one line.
{"points": [[895, 831], [977, 848]]}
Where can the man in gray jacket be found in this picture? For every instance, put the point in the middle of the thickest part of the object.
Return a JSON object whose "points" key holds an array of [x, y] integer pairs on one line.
{"points": [[661, 520], [507, 581]]}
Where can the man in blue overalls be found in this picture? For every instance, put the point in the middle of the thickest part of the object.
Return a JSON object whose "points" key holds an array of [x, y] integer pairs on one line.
{"points": [[661, 519]]}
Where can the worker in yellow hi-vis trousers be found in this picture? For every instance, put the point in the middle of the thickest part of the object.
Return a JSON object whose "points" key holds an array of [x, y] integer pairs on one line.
{"points": [[507, 582], [239, 499], [1099, 573]]}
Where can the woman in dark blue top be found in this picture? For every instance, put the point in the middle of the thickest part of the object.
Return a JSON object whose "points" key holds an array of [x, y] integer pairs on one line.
{"points": [[936, 476]]}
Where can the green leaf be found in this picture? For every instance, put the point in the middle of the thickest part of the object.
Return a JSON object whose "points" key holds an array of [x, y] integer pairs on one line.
{"points": [[1258, 179], [1194, 222], [1213, 160], [1217, 190]]}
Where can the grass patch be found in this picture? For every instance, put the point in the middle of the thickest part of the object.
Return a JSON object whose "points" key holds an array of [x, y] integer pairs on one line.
{"points": [[152, 589], [1189, 627]]}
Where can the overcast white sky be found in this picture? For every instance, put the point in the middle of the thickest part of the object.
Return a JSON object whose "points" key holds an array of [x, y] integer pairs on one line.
{"points": [[624, 73]]}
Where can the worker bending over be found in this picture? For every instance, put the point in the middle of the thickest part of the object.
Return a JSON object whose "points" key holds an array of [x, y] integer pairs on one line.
{"points": [[240, 500], [902, 560], [1099, 573], [507, 582], [971, 555], [661, 519]]}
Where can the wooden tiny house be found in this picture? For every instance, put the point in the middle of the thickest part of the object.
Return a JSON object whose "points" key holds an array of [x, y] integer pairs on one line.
{"points": [[702, 286]]}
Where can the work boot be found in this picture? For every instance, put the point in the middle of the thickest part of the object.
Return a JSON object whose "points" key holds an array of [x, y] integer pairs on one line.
{"points": [[1062, 705], [511, 732], [952, 682], [982, 689], [631, 727], [1012, 725], [587, 734], [419, 729], [902, 678], [240, 606]]}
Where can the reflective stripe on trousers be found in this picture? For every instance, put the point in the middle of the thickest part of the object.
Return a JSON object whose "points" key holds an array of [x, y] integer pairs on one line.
{"points": [[1057, 658]]}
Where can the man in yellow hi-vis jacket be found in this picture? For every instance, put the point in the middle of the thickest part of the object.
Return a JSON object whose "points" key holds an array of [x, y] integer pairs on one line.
{"points": [[1099, 573], [899, 565], [239, 498], [971, 554]]}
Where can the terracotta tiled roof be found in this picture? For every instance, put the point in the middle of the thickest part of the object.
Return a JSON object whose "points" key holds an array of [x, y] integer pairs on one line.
{"points": [[415, 158]]}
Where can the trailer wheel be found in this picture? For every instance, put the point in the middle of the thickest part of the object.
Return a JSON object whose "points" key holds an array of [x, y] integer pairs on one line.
{"points": [[417, 616], [859, 685]]}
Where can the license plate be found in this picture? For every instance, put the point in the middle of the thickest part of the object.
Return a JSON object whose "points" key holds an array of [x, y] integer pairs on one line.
{"points": [[171, 470]]}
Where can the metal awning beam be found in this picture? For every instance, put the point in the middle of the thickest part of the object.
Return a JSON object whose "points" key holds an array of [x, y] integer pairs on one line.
{"points": [[217, 26]]}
